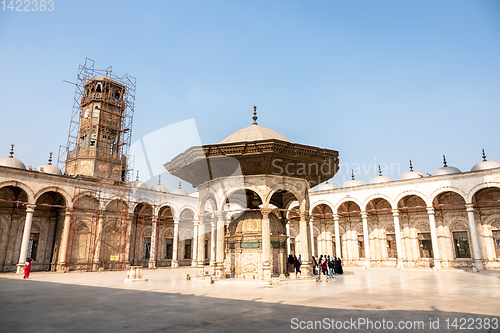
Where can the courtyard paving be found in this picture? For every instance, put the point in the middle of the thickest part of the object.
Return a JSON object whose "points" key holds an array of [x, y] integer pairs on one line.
{"points": [[374, 300]]}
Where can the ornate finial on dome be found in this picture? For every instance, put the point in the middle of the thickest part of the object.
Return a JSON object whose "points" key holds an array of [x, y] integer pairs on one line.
{"points": [[50, 158], [137, 177], [352, 174], [379, 171], [11, 151], [254, 115], [411, 166], [180, 185], [159, 179], [484, 156], [444, 161]]}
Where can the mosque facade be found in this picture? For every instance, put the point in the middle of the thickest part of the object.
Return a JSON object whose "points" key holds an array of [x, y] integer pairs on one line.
{"points": [[87, 221]]}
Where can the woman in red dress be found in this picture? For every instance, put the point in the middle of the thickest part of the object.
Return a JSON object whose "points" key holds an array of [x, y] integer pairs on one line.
{"points": [[27, 267]]}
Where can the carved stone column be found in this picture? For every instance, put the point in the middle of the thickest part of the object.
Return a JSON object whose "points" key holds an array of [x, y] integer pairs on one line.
{"points": [[219, 268], [399, 242], [366, 238], [201, 247], [311, 233], [175, 244], [434, 239], [30, 209], [478, 260], [266, 244], [338, 246], [212, 244], [323, 242], [304, 244], [97, 250], [194, 261], [61, 264], [288, 250], [128, 240], [154, 245]]}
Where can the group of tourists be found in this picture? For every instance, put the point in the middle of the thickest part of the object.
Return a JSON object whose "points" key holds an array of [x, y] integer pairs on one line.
{"points": [[327, 266]]}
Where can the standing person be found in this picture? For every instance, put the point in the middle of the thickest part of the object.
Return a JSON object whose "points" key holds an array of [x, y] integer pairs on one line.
{"points": [[27, 268], [320, 263], [297, 264], [291, 263], [315, 265], [338, 266], [331, 266], [324, 266]]}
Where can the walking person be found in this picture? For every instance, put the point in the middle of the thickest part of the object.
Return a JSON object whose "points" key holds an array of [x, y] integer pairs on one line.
{"points": [[338, 266], [27, 268], [324, 267], [297, 264], [331, 266], [315, 266]]}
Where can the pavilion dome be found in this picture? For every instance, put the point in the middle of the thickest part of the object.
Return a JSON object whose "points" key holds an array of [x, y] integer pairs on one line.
{"points": [[380, 178], [159, 188], [12, 162], [411, 174], [180, 191], [138, 184], [49, 168], [326, 187], [485, 164], [353, 182], [254, 132], [446, 170]]}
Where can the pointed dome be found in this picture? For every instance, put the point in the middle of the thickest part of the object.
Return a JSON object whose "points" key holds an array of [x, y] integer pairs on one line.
{"points": [[327, 187], [49, 168], [446, 170], [353, 182], [380, 178], [411, 174], [254, 132], [12, 162], [138, 184], [180, 190], [159, 187], [485, 164]]}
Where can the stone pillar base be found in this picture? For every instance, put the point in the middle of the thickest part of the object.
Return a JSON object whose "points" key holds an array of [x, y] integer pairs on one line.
{"points": [[20, 269], [213, 264], [437, 264], [306, 270], [151, 264], [201, 269], [478, 264], [399, 264], [61, 267], [194, 263], [266, 271], [219, 271], [367, 263], [174, 264], [134, 274]]}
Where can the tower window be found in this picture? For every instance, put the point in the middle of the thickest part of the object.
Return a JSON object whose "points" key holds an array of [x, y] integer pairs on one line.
{"points": [[92, 140], [98, 89]]}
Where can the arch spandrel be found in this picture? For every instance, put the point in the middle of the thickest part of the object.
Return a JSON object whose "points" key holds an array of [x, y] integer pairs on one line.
{"points": [[63, 193], [344, 200], [29, 192], [407, 193], [480, 187], [445, 189], [321, 202], [378, 196]]}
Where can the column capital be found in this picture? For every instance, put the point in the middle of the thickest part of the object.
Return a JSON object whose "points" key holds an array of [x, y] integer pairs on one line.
{"points": [[364, 214], [30, 208], [303, 215], [469, 207], [430, 210], [395, 212], [68, 211], [265, 212], [220, 214], [336, 217], [176, 220]]}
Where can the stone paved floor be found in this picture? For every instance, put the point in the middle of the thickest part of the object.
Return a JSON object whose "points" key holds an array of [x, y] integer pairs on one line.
{"points": [[103, 302]]}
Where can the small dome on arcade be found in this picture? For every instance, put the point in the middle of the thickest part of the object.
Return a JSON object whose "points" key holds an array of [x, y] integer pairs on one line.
{"points": [[254, 132], [446, 170], [411, 174], [159, 187], [49, 168], [180, 190], [137, 183], [485, 164], [353, 182], [327, 187], [12, 162], [380, 178]]}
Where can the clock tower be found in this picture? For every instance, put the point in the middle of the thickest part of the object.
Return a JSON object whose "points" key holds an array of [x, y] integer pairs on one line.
{"points": [[98, 151]]}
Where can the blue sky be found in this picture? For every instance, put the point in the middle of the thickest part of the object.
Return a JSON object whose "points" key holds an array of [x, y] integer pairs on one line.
{"points": [[380, 81]]}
